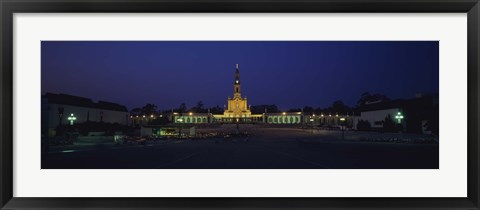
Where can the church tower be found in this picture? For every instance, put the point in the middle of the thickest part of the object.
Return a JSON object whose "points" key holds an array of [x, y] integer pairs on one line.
{"points": [[237, 106], [236, 85]]}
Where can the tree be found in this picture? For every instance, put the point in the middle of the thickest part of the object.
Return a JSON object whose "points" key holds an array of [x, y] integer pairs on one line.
{"points": [[60, 115], [159, 121], [149, 109], [366, 98], [389, 124], [339, 107], [182, 108], [199, 105], [294, 110], [216, 110], [136, 112], [432, 123], [259, 109], [198, 108], [308, 109], [320, 110], [364, 125], [272, 108]]}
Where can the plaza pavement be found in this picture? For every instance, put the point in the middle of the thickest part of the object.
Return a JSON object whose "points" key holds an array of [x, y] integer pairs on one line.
{"points": [[264, 148]]}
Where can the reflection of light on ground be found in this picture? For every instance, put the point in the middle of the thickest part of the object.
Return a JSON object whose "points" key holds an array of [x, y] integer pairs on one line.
{"points": [[67, 151]]}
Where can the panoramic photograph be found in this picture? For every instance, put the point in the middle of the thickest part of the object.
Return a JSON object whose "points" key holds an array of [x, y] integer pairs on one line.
{"points": [[239, 104]]}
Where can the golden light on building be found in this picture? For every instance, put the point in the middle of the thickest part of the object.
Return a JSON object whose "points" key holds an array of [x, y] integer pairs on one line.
{"points": [[237, 106], [236, 111]]}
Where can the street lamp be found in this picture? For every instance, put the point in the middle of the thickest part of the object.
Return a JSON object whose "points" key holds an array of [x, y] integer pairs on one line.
{"points": [[342, 120], [71, 118], [399, 117], [180, 120], [311, 120]]}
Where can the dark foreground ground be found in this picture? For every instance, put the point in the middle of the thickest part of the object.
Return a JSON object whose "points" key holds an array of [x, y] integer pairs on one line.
{"points": [[264, 149]]}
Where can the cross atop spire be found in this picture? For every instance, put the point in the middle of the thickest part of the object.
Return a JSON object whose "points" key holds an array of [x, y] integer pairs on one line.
{"points": [[237, 76], [236, 84]]}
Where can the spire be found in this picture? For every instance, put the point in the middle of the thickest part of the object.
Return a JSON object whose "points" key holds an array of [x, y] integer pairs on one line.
{"points": [[236, 84], [237, 75]]}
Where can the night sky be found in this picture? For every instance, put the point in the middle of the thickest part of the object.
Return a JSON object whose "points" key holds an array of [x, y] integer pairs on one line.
{"points": [[290, 74]]}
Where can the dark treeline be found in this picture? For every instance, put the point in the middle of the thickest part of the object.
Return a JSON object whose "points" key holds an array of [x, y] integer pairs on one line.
{"points": [[337, 107]]}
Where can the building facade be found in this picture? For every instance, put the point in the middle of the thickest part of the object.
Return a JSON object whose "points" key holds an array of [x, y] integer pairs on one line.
{"points": [[237, 106], [236, 110], [191, 118], [62, 109], [416, 115], [284, 118]]}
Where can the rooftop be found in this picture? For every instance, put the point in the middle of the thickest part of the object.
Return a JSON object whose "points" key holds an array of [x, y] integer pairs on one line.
{"points": [[83, 102]]}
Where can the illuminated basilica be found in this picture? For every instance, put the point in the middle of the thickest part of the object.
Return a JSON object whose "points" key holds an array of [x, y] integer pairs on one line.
{"points": [[237, 110], [237, 106]]}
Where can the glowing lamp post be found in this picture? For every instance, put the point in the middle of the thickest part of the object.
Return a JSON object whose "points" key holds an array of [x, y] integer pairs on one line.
{"points": [[313, 124], [342, 120], [399, 117], [71, 118], [180, 120]]}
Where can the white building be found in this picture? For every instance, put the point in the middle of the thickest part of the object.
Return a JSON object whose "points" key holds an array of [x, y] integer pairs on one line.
{"points": [[57, 108], [408, 115], [377, 117]]}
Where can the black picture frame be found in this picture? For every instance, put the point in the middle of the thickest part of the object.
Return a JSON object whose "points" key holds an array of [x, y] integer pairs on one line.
{"points": [[9, 7]]}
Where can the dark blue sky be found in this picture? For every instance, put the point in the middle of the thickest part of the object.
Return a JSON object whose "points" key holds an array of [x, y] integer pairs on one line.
{"points": [[289, 74]]}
